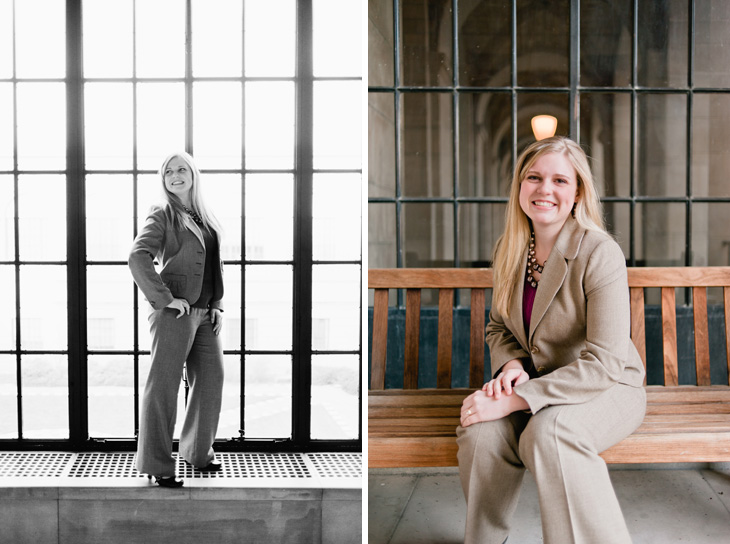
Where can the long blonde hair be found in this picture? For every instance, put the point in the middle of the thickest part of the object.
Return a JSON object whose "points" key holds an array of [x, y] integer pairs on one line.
{"points": [[508, 263], [175, 210]]}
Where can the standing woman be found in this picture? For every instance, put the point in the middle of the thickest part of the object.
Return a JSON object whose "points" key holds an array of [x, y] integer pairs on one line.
{"points": [[185, 320], [568, 381]]}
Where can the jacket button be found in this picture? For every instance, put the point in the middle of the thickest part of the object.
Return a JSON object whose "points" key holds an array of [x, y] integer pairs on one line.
{"points": [[540, 369], [535, 349]]}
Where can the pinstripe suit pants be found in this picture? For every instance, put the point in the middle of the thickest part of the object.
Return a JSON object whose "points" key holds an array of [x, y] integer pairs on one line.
{"points": [[559, 445], [175, 342]]}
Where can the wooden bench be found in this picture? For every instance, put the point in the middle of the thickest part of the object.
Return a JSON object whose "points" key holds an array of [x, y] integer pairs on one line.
{"points": [[413, 427]]}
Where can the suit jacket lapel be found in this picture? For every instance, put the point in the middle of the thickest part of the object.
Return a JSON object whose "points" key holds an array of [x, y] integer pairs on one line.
{"points": [[565, 249], [192, 225]]}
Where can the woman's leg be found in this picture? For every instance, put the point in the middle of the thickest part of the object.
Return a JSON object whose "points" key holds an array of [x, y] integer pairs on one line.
{"points": [[560, 447], [205, 378], [491, 475], [171, 341]]}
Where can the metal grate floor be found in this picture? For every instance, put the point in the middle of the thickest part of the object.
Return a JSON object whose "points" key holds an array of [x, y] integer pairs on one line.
{"points": [[235, 465]]}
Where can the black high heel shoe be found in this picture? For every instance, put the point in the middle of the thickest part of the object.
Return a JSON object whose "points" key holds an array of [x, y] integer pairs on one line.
{"points": [[213, 466], [170, 481]]}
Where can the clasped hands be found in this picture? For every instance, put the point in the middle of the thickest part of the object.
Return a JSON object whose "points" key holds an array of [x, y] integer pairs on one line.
{"points": [[489, 403], [183, 308]]}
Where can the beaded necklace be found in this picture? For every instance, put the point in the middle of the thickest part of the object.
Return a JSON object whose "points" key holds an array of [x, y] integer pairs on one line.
{"points": [[532, 263], [194, 215]]}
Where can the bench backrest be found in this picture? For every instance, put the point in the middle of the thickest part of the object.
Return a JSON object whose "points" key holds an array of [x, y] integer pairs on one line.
{"points": [[446, 280]]}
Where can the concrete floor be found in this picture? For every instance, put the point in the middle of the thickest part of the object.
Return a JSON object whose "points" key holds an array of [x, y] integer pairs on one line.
{"points": [[663, 504]]}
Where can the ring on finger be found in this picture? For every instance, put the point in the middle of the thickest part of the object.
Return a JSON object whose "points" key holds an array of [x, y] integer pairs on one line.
{"points": [[468, 412]]}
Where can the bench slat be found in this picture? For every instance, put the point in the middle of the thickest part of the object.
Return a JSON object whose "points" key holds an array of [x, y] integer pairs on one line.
{"points": [[702, 339], [691, 276], [638, 328], [443, 360], [669, 335], [380, 339], [413, 325], [477, 338]]}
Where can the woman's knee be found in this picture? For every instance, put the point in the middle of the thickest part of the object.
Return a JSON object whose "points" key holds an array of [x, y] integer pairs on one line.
{"points": [[540, 437]]}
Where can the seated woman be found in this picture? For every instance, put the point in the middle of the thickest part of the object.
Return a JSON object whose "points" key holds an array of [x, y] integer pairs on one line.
{"points": [[568, 381]]}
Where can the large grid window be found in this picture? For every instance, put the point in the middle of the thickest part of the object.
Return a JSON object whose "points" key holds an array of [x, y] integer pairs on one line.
{"points": [[453, 86], [265, 95]]}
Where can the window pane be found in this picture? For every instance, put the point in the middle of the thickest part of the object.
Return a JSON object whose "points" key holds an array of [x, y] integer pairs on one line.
{"points": [[381, 145], [109, 297], [42, 217], [149, 192], [428, 235], [479, 227], [380, 42], [160, 122], [108, 35], [662, 39], [216, 29], [427, 148], [337, 215], [485, 144], [231, 333], [485, 38], [143, 323], [268, 403], [336, 307], [268, 307], [7, 219], [710, 240], [710, 149], [337, 124], [6, 128], [662, 150], [6, 40], [41, 126], [660, 234], [337, 31], [605, 43], [605, 132], [382, 251], [7, 316], [43, 308], [426, 35], [8, 397], [45, 396], [108, 122], [270, 47], [40, 38], [223, 194], [158, 56], [712, 41], [269, 217], [335, 402], [111, 396], [269, 125], [618, 223], [230, 420], [543, 46], [217, 121], [109, 208], [531, 104]]}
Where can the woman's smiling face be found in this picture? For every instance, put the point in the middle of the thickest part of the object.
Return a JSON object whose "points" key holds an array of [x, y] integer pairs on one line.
{"points": [[549, 190], [178, 178]]}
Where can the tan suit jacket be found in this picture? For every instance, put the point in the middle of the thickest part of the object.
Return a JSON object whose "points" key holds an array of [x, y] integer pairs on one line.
{"points": [[579, 342], [182, 256]]}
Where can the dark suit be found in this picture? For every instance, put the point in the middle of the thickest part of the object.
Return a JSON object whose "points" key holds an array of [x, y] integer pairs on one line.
{"points": [[175, 342]]}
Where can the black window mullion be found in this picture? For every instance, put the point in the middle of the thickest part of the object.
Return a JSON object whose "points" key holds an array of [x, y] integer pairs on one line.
{"points": [[302, 333], [76, 228]]}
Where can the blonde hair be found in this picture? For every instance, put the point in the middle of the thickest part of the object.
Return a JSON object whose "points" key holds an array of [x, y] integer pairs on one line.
{"points": [[508, 264], [175, 210]]}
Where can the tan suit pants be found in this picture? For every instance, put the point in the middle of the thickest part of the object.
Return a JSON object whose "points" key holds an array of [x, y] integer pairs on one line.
{"points": [[560, 446]]}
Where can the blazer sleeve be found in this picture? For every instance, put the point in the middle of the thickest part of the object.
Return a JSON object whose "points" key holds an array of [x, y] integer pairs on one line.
{"points": [[145, 248], [602, 360], [503, 345]]}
